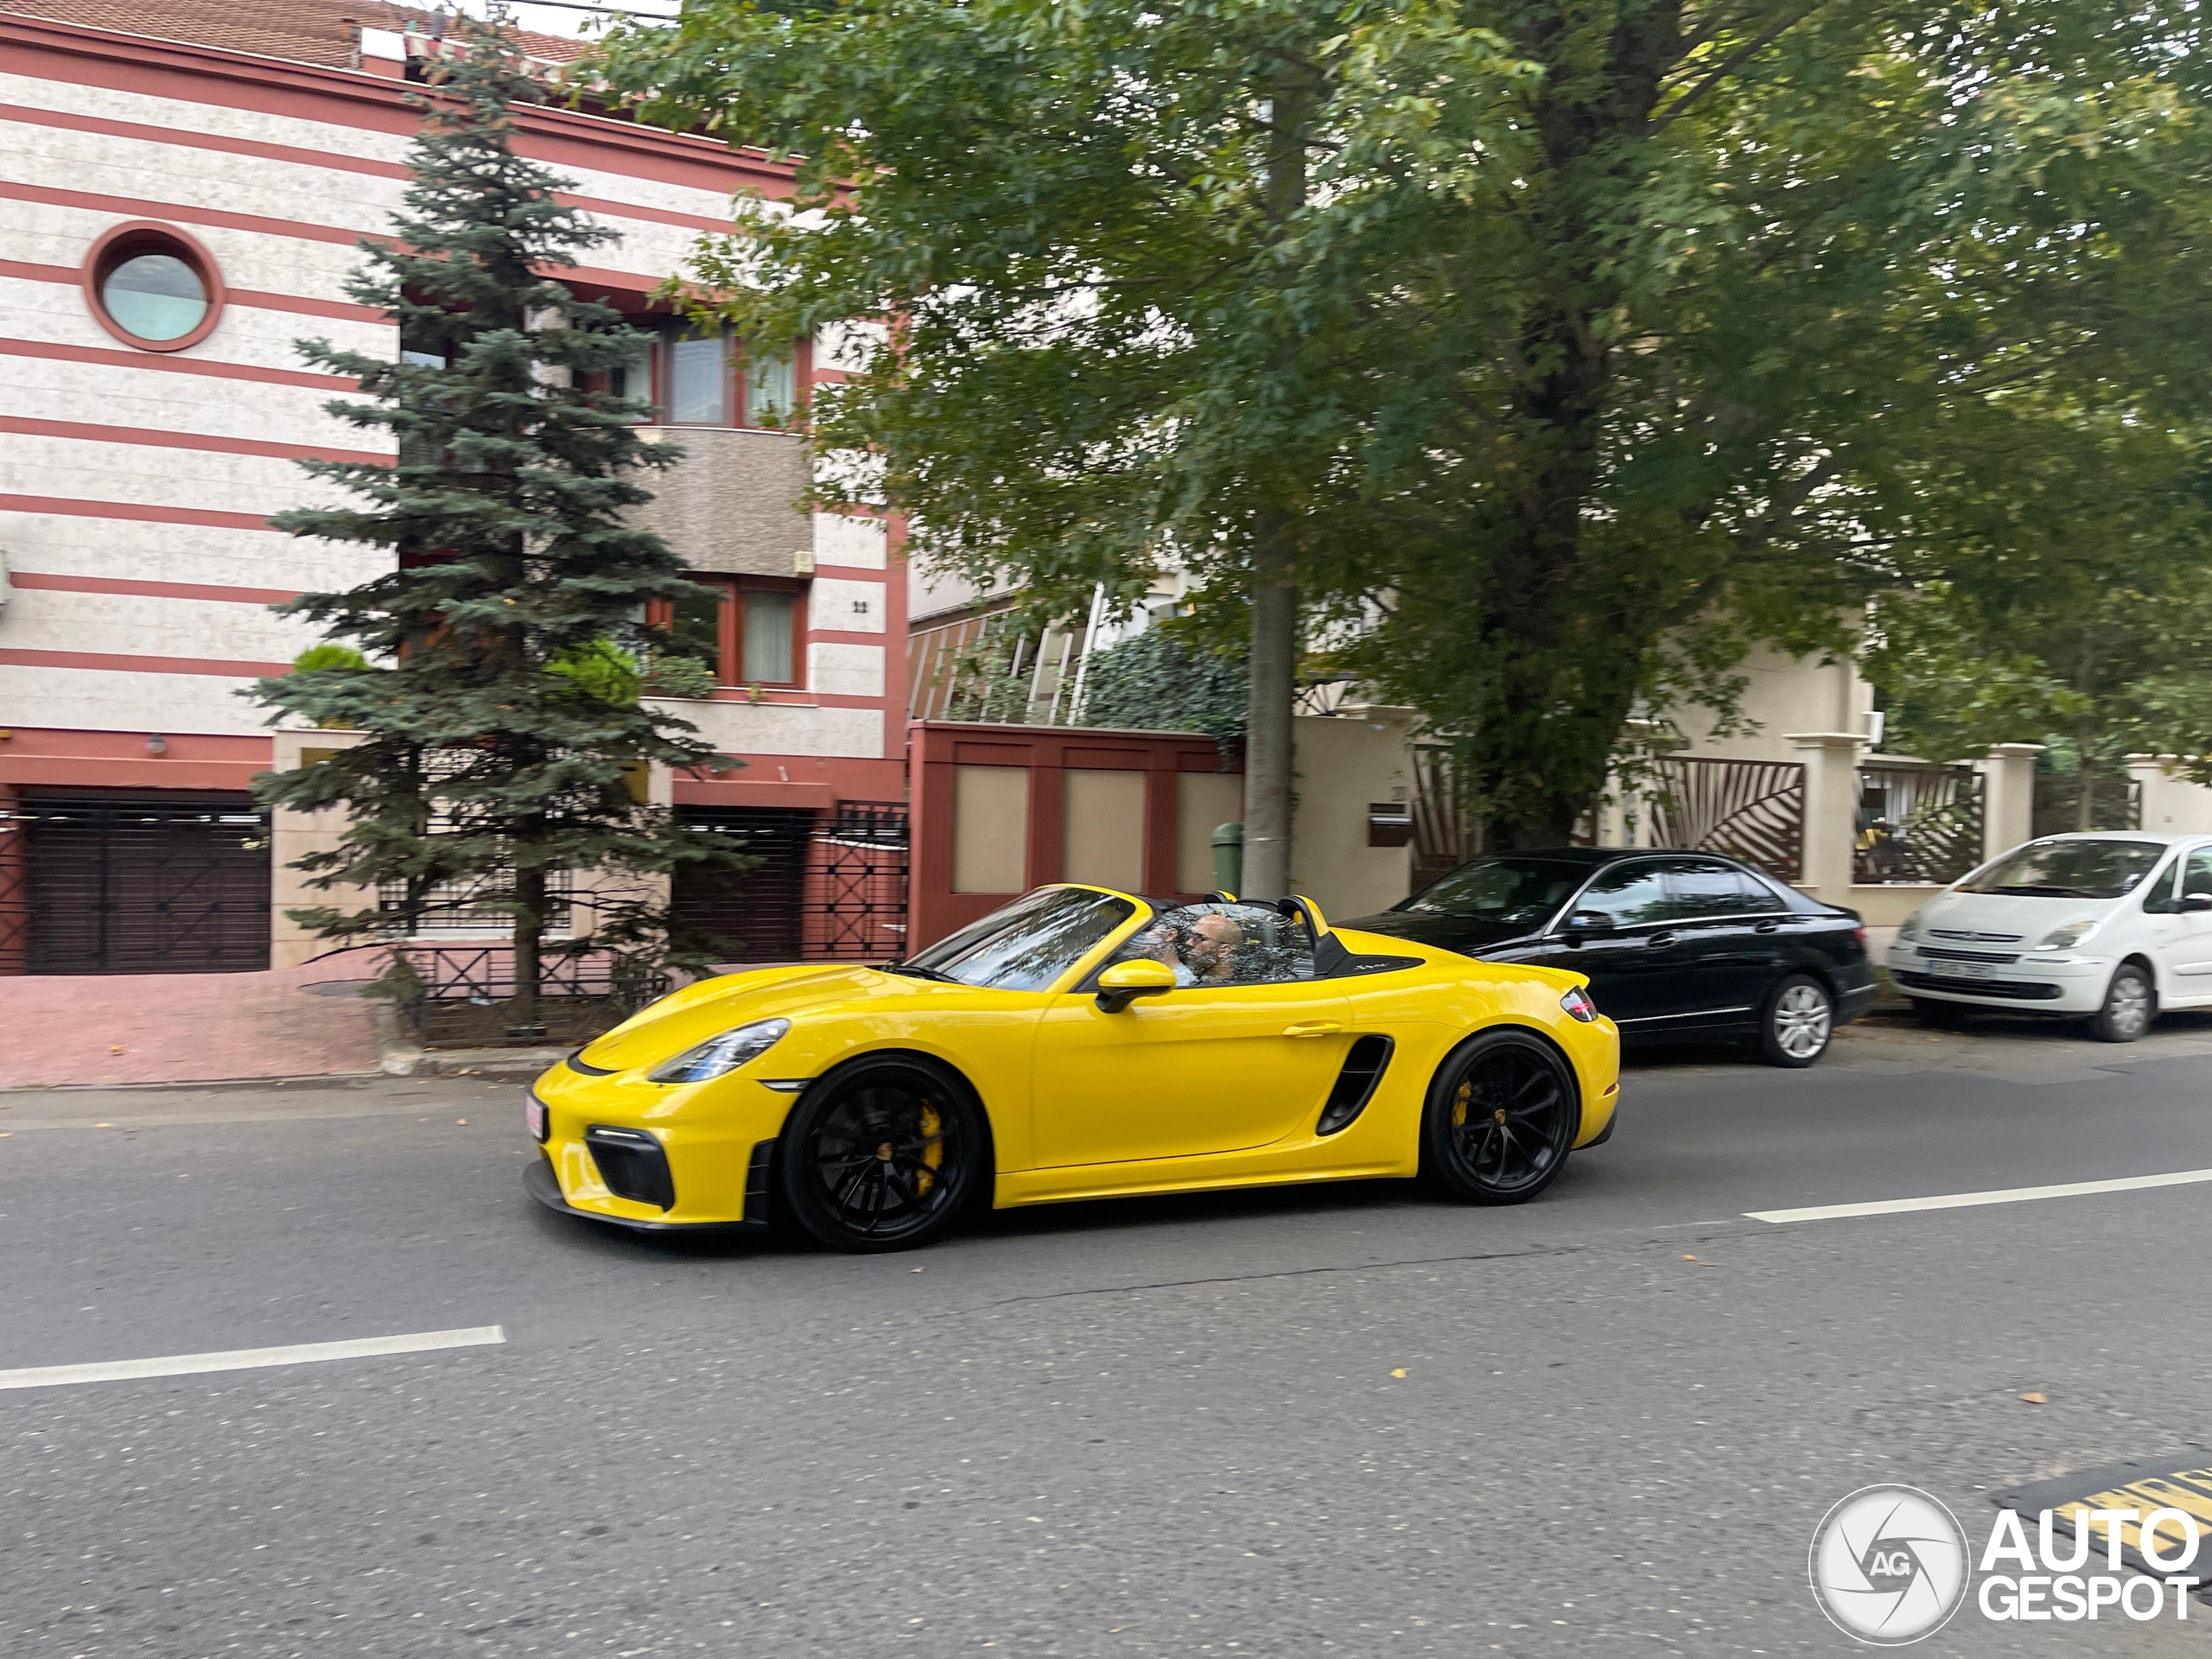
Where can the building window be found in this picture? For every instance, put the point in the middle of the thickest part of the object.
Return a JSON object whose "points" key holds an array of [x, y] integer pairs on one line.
{"points": [[695, 378], [698, 381], [768, 388], [747, 631], [153, 287]]}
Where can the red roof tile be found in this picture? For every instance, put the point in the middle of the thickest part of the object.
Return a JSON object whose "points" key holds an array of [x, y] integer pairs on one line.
{"points": [[304, 31]]}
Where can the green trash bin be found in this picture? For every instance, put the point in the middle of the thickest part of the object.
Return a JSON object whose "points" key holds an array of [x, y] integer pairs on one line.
{"points": [[1229, 857]]}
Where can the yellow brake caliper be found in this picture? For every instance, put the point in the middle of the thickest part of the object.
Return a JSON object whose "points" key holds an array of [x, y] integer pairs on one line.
{"points": [[1460, 1105], [932, 1150]]}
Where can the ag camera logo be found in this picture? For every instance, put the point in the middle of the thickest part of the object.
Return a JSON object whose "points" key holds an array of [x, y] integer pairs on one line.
{"points": [[1889, 1565]]}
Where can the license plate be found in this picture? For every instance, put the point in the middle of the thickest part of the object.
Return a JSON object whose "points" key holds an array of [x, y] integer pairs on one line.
{"points": [[1971, 969], [533, 1114]]}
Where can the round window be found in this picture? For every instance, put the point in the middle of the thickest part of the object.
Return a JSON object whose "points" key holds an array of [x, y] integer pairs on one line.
{"points": [[155, 297], [153, 287]]}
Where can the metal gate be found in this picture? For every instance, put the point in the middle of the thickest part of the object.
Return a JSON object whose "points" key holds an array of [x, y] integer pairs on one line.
{"points": [[1751, 809], [825, 887], [143, 886], [1917, 824], [2114, 803], [857, 865], [1445, 834]]}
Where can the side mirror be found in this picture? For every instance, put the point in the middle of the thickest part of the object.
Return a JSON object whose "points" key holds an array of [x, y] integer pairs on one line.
{"points": [[2196, 902], [1125, 982], [1587, 924]]}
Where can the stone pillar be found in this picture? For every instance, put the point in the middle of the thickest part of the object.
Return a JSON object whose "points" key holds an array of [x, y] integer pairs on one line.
{"points": [[2008, 797], [1831, 762]]}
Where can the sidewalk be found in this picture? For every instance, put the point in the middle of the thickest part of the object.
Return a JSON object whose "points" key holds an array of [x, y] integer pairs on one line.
{"points": [[180, 1028]]}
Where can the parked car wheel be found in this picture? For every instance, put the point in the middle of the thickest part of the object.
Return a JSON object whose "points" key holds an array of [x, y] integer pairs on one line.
{"points": [[1502, 1113], [883, 1156], [2130, 1003], [1797, 1023], [1938, 1016]]}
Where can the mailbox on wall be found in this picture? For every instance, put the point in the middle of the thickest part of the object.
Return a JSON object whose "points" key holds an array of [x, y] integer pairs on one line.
{"points": [[1390, 823]]}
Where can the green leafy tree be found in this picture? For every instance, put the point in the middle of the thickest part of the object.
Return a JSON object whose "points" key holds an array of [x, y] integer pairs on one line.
{"points": [[2073, 607], [1126, 250], [1750, 312], [498, 746], [1556, 351]]}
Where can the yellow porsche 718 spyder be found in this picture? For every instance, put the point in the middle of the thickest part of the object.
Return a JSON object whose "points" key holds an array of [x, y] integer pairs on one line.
{"points": [[1079, 1043]]}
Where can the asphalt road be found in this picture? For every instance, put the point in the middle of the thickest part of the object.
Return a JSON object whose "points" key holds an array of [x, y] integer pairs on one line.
{"points": [[1156, 1427]]}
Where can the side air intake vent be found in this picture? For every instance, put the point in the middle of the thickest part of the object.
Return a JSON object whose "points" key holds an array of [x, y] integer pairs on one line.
{"points": [[633, 1165], [1355, 1085]]}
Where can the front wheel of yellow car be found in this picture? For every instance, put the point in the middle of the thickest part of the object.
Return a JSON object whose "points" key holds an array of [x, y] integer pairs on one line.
{"points": [[882, 1155], [1501, 1114]]}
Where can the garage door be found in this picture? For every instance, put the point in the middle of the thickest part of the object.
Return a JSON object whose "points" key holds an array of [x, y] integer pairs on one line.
{"points": [[147, 887]]}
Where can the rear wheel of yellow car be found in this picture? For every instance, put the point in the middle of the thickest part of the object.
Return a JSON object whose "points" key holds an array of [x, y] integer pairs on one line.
{"points": [[1502, 1113], [882, 1155]]}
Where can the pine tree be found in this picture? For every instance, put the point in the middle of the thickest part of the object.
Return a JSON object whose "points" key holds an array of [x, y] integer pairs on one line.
{"points": [[495, 756]]}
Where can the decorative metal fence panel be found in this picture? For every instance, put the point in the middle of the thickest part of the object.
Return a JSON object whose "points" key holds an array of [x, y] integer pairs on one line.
{"points": [[2114, 803], [1917, 824], [823, 887], [1446, 833], [465, 993], [858, 863], [1750, 809]]}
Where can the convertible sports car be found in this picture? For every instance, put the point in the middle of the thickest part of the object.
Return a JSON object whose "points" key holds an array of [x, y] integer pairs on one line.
{"points": [[1079, 1043]]}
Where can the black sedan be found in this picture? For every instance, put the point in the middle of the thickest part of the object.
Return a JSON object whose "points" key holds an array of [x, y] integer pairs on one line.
{"points": [[1679, 947]]}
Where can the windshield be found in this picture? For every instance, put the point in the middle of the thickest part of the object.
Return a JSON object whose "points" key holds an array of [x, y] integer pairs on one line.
{"points": [[1510, 891], [2070, 869], [1027, 944]]}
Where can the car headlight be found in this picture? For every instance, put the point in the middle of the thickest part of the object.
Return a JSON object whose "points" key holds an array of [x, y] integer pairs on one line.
{"points": [[2066, 938], [718, 1055], [1911, 928]]}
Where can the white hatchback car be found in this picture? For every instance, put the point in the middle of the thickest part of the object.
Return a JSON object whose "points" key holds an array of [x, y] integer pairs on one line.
{"points": [[2110, 927]]}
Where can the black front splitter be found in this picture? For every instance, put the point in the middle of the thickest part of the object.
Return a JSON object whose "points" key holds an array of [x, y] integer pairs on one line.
{"points": [[537, 1182]]}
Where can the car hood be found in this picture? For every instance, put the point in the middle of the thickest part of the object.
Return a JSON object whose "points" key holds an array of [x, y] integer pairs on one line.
{"points": [[713, 1005], [2007, 918]]}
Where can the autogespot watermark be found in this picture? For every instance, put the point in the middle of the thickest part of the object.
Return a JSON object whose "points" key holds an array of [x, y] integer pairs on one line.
{"points": [[1891, 1565]]}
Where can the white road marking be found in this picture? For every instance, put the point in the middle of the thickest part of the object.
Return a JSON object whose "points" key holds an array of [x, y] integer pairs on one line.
{"points": [[1968, 1200], [246, 1359]]}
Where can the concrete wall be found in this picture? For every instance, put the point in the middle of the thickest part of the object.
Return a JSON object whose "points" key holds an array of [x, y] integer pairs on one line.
{"points": [[2171, 805], [1343, 765], [1784, 693]]}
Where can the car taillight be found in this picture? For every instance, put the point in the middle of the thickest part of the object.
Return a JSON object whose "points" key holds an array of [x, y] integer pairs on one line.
{"points": [[1578, 1006], [1859, 933], [535, 1115]]}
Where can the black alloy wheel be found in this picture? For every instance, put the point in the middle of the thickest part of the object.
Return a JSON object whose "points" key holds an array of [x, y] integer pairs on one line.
{"points": [[1501, 1114], [883, 1155]]}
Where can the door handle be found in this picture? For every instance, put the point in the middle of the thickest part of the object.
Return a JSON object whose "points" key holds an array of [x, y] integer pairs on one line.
{"points": [[1661, 938], [1312, 1028], [1766, 927]]}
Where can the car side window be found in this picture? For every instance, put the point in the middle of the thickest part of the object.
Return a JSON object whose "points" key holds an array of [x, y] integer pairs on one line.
{"points": [[1710, 888], [1224, 944], [2196, 874], [1627, 894]]}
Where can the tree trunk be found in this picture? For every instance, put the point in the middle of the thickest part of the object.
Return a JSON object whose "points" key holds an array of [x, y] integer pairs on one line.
{"points": [[1268, 751], [1269, 760], [530, 929], [2085, 808]]}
